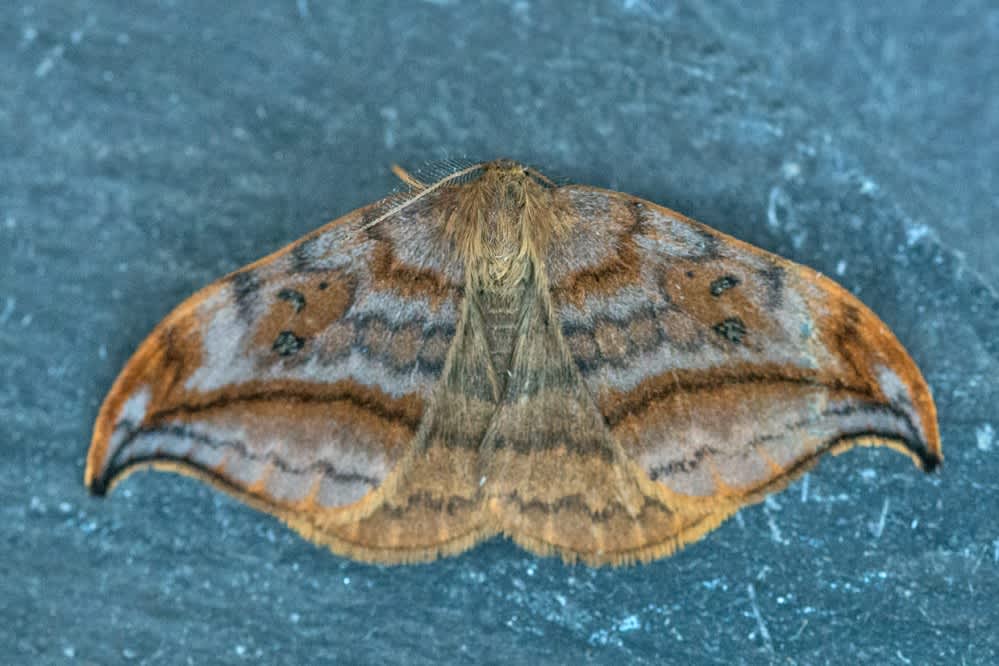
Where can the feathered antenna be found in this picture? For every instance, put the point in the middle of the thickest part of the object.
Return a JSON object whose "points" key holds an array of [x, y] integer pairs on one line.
{"points": [[424, 189]]}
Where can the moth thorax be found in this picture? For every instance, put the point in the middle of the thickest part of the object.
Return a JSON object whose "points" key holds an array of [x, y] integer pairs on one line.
{"points": [[504, 261]]}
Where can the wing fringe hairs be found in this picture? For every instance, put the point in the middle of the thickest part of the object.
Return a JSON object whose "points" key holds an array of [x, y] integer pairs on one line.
{"points": [[587, 373]]}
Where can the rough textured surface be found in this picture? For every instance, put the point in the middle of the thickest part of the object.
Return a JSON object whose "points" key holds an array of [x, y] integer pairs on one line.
{"points": [[149, 147]]}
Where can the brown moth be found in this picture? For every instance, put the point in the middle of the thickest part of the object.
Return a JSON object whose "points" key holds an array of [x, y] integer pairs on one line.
{"points": [[582, 371]]}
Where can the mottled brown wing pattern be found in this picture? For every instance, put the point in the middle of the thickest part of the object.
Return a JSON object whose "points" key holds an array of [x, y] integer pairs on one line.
{"points": [[587, 373], [298, 383], [721, 370]]}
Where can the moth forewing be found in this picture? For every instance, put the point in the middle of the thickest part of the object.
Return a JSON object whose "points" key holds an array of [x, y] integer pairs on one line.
{"points": [[588, 373]]}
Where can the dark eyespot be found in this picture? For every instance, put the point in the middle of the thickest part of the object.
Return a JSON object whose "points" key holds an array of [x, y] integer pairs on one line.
{"points": [[732, 329], [287, 343], [296, 298], [723, 284]]}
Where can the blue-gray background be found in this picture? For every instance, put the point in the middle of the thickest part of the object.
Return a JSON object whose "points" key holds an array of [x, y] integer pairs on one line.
{"points": [[149, 147]]}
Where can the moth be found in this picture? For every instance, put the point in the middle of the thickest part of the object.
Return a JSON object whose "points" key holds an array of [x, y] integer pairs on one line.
{"points": [[585, 372]]}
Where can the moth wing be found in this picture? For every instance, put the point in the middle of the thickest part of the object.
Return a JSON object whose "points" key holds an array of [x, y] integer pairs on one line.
{"points": [[298, 383], [721, 370]]}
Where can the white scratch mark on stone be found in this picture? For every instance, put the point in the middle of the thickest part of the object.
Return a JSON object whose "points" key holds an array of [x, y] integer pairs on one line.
{"points": [[804, 489], [877, 529], [868, 186], [49, 61], [791, 171], [984, 434], [780, 216], [775, 533], [391, 116], [761, 625], [630, 623], [8, 309], [776, 196], [841, 267], [916, 233]]}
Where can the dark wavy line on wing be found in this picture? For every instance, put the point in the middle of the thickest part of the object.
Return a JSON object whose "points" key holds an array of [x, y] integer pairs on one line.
{"points": [[909, 439], [637, 407], [115, 467], [374, 407]]}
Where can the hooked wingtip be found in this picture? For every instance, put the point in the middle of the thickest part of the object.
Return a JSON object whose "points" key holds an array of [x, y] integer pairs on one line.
{"points": [[931, 461], [94, 476]]}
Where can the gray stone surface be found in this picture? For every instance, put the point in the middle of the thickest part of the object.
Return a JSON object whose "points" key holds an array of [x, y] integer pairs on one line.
{"points": [[149, 147]]}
